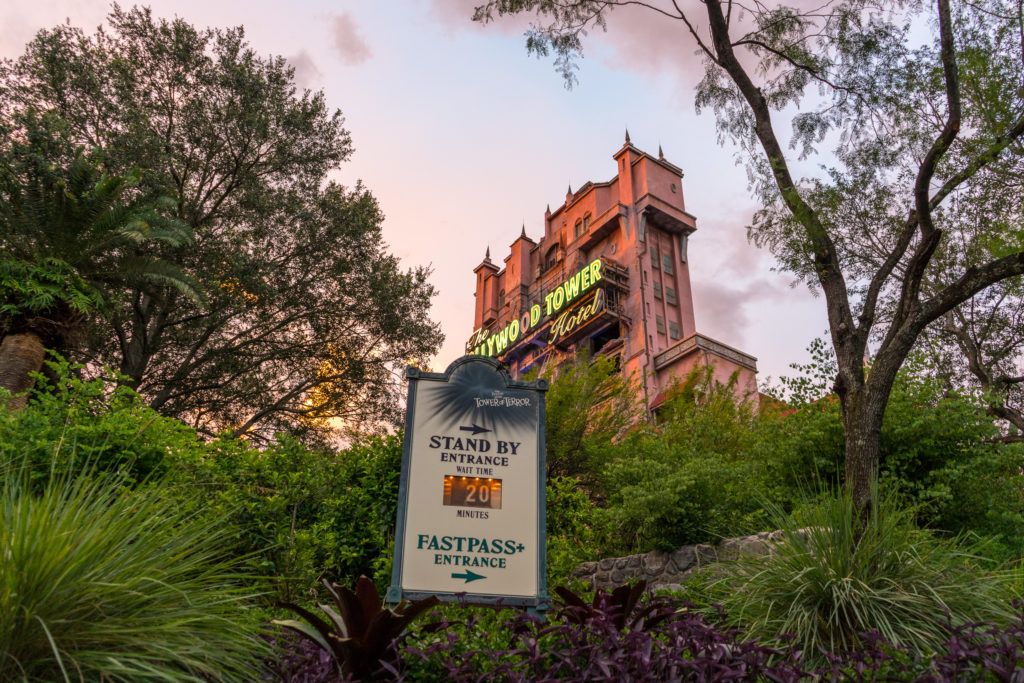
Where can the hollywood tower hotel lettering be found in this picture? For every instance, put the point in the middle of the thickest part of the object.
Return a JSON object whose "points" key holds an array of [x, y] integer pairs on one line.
{"points": [[610, 275]]}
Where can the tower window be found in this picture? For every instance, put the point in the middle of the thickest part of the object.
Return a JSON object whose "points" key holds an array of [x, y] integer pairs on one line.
{"points": [[657, 290], [579, 228], [659, 324], [655, 263], [670, 295], [551, 259], [666, 263], [501, 299], [673, 329]]}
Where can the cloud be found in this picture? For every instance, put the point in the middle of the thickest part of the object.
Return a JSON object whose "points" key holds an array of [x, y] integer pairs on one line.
{"points": [[457, 15], [307, 75], [732, 279], [637, 39], [723, 311], [19, 21], [350, 45], [645, 42], [649, 40]]}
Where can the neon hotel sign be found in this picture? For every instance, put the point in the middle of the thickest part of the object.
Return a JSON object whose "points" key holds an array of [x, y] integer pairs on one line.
{"points": [[484, 344]]}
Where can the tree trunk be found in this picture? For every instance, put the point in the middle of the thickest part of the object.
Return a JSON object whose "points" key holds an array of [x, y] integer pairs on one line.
{"points": [[863, 446], [863, 408], [20, 355]]}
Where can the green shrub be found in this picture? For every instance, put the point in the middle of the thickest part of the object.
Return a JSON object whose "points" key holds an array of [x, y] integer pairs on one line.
{"points": [[589, 404], [825, 588], [305, 515], [570, 528], [938, 452], [69, 421], [689, 478], [99, 582], [299, 514]]}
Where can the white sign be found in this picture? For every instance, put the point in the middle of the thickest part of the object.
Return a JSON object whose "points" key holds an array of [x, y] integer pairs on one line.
{"points": [[471, 508]]}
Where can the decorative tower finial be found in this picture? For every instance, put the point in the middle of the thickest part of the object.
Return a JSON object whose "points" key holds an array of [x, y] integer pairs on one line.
{"points": [[487, 256], [523, 233], [547, 211], [627, 137], [661, 155]]}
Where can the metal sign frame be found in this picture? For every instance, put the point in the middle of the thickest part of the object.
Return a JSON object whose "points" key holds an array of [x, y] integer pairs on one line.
{"points": [[396, 592]]}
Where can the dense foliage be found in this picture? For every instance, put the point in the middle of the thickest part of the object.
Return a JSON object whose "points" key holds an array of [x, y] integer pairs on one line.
{"points": [[73, 241], [357, 629], [708, 467], [306, 314], [667, 640], [297, 515]]}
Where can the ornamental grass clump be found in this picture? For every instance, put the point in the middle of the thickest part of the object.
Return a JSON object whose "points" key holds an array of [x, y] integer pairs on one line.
{"points": [[99, 582], [826, 587]]}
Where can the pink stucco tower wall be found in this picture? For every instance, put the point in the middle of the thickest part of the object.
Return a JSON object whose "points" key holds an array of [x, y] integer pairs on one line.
{"points": [[639, 309]]}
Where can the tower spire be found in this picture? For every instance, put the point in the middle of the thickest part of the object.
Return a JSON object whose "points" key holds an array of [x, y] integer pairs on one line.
{"points": [[523, 233], [487, 255], [627, 137], [661, 155]]}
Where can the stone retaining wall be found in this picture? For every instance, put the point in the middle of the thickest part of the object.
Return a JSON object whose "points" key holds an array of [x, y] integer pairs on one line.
{"points": [[661, 569]]}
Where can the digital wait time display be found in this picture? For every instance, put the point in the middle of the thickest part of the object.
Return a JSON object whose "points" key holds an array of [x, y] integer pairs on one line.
{"points": [[474, 492]]}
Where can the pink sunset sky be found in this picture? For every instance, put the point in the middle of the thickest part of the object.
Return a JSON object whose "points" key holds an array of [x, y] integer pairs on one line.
{"points": [[463, 139]]}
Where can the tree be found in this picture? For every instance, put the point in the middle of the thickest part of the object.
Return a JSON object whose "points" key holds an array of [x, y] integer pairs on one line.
{"points": [[308, 314], [72, 240], [923, 108], [589, 405], [977, 347]]}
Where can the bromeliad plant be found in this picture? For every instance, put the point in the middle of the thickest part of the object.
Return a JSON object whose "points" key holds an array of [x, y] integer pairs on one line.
{"points": [[360, 630]]}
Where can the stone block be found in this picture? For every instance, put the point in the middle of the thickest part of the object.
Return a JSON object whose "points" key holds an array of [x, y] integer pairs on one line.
{"points": [[705, 554], [607, 563], [654, 563], [744, 545], [684, 558], [585, 570]]}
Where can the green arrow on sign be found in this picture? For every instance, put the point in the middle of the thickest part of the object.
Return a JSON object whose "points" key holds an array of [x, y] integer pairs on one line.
{"points": [[468, 576]]}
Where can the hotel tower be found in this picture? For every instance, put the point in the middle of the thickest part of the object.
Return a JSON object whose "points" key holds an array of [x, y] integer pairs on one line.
{"points": [[610, 275]]}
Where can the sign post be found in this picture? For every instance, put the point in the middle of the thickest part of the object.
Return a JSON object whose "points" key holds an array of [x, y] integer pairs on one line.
{"points": [[471, 521]]}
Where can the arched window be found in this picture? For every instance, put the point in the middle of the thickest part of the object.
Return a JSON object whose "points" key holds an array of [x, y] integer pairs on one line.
{"points": [[501, 299]]}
